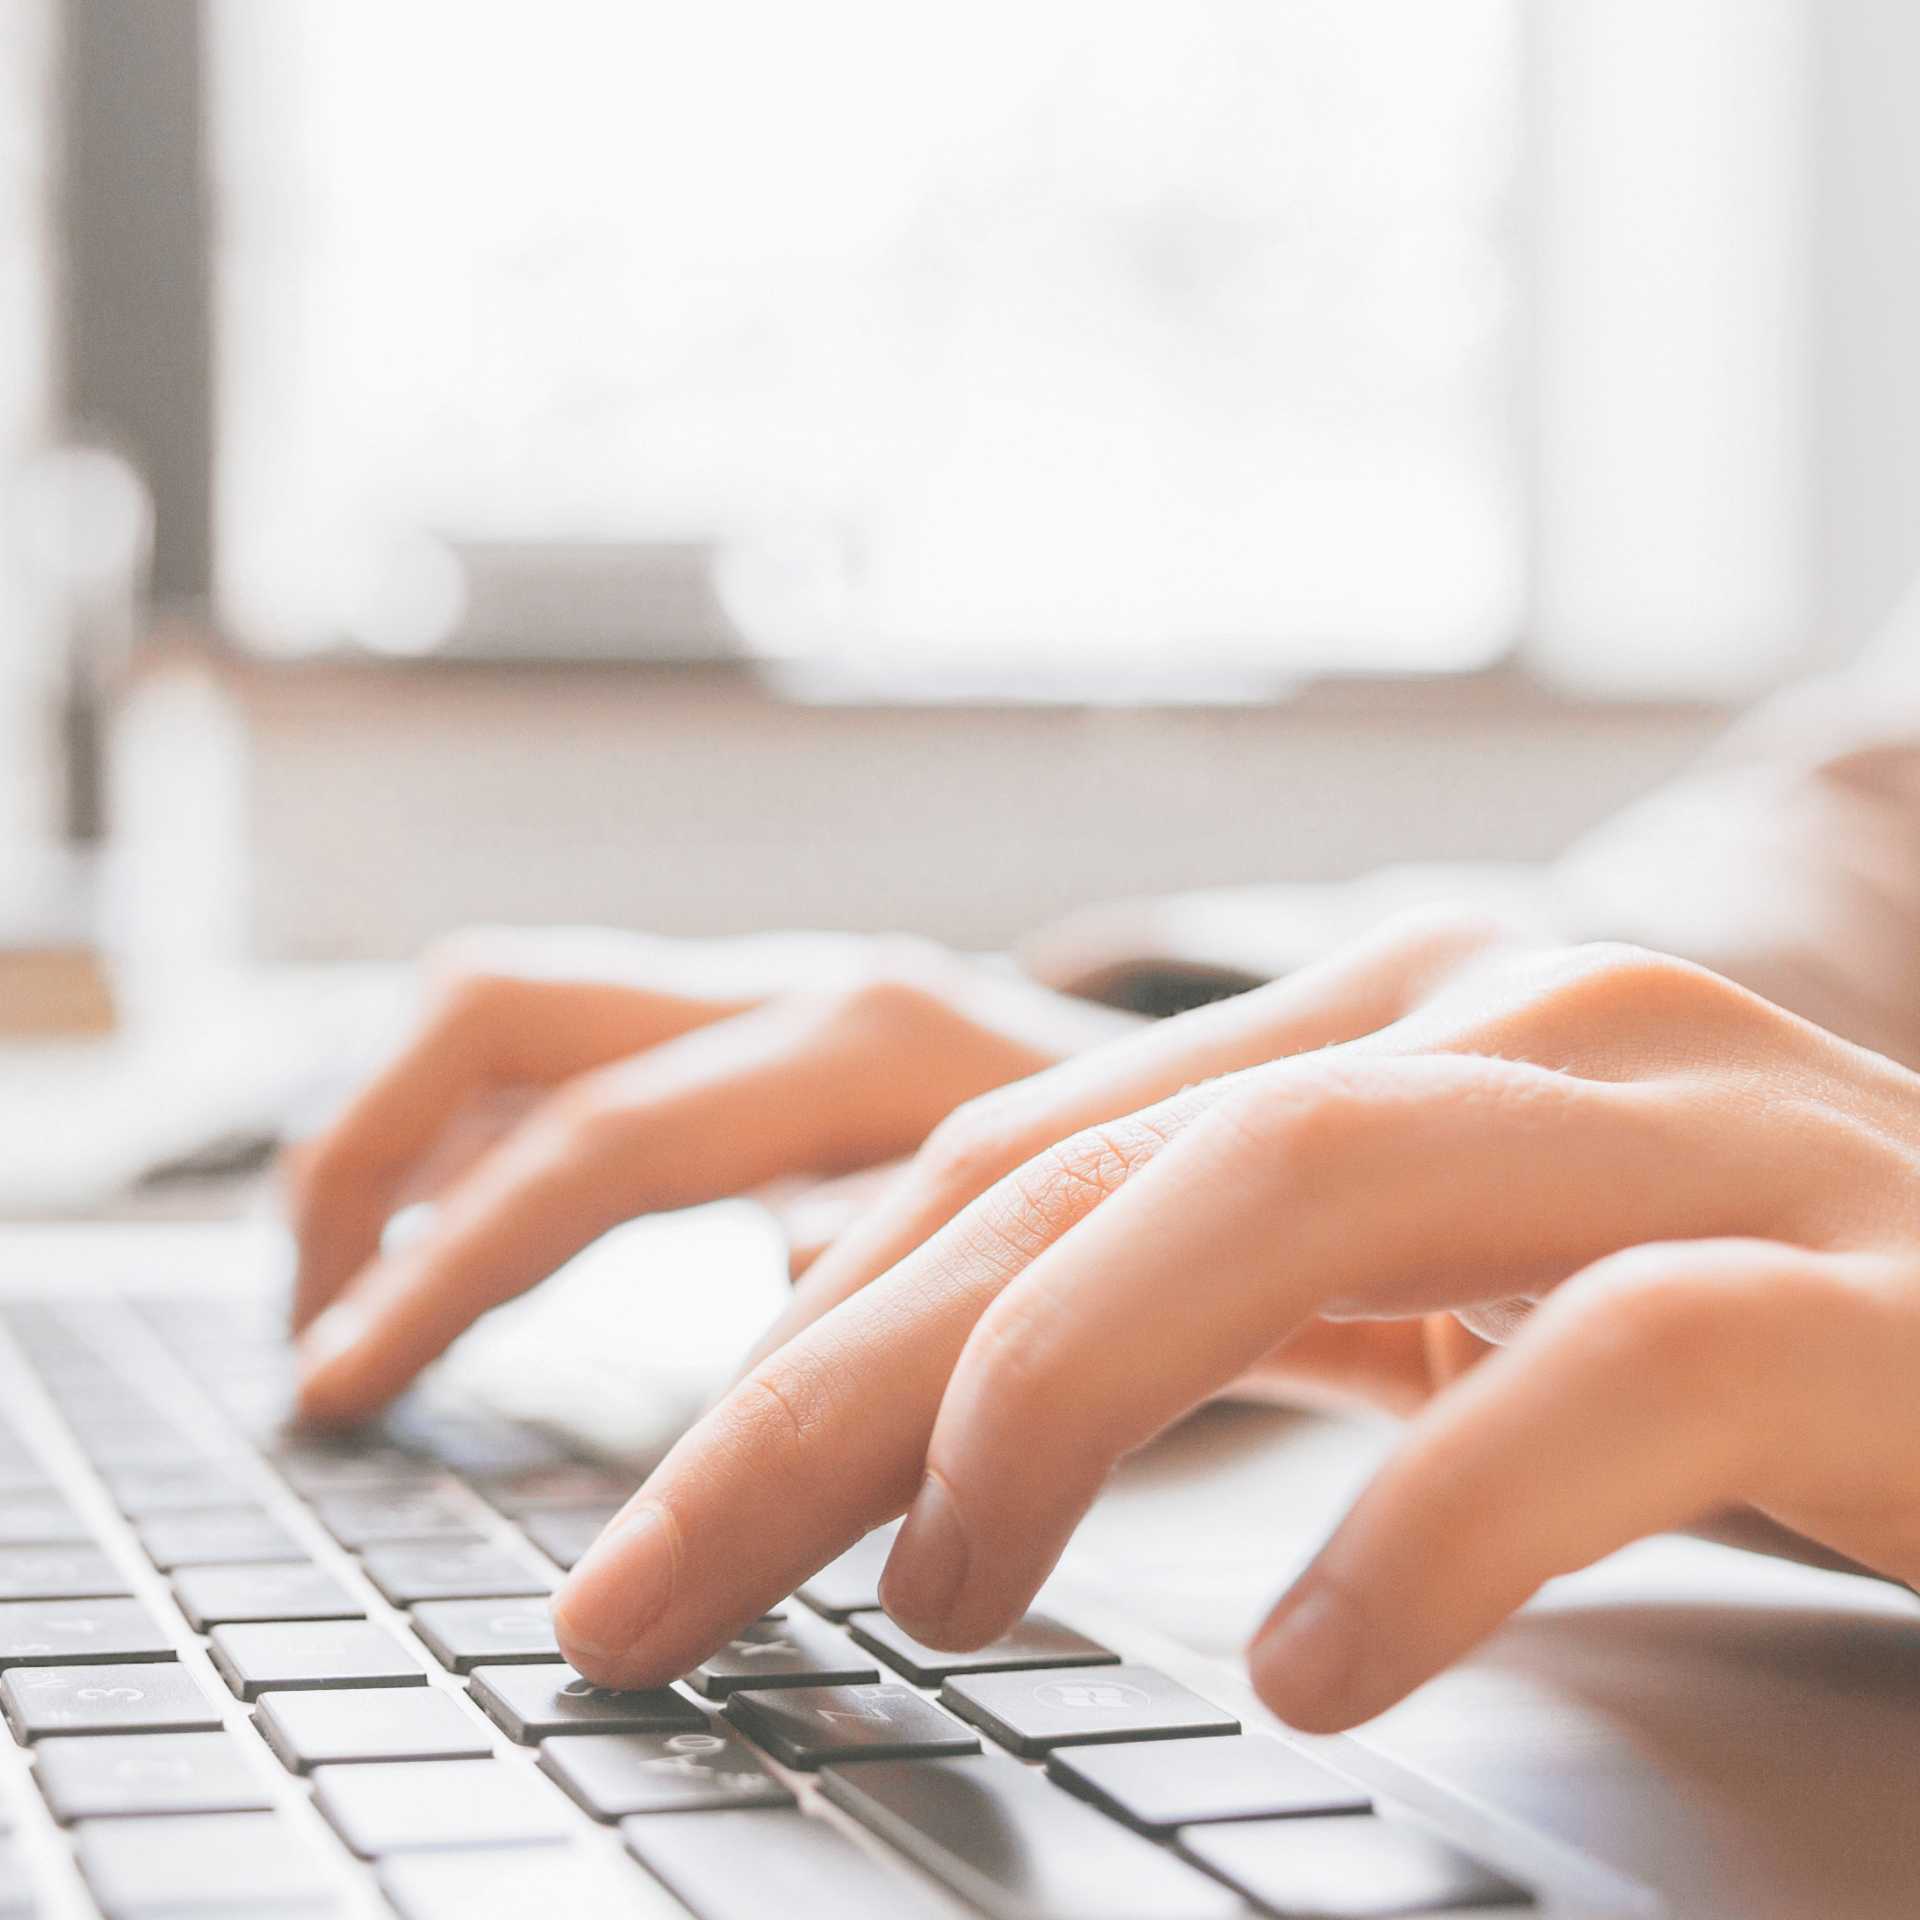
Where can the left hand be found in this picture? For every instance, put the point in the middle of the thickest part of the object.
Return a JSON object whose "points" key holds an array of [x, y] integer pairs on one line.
{"points": [[1690, 1219]]}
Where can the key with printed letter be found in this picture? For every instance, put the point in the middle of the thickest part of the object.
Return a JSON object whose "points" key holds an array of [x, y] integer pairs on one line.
{"points": [[473, 1633], [809, 1726], [51, 1633], [1037, 1641], [530, 1703], [218, 1534], [216, 1595], [162, 1698], [357, 1724], [109, 1775], [795, 1652], [616, 1774], [1034, 1712], [852, 1582], [59, 1573], [281, 1656], [1009, 1842], [452, 1570]]}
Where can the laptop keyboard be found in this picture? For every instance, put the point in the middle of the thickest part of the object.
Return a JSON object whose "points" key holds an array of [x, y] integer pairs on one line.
{"points": [[254, 1672]]}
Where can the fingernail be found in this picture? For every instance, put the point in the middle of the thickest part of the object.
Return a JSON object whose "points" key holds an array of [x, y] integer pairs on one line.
{"points": [[928, 1565], [1303, 1663], [611, 1599]]}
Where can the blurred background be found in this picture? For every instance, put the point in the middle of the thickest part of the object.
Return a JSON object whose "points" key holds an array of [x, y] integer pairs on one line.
{"points": [[877, 466]]}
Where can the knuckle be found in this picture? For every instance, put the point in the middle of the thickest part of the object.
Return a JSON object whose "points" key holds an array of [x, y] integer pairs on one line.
{"points": [[771, 1421], [1681, 1328], [1612, 977], [1450, 930], [1305, 1115], [904, 986]]}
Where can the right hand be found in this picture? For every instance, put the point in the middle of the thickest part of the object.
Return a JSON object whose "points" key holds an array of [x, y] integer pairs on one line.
{"points": [[634, 1075]]}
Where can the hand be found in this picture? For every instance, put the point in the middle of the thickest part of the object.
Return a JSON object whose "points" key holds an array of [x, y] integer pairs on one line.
{"points": [[562, 1083], [1688, 1217]]}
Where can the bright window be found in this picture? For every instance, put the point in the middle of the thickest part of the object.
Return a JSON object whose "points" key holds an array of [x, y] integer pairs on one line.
{"points": [[1059, 327]]}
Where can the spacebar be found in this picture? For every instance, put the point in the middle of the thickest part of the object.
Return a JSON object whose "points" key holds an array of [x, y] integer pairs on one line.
{"points": [[1018, 1847]]}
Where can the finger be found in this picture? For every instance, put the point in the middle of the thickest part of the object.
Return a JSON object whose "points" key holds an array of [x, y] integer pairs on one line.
{"points": [[712, 1113], [1399, 1186], [1642, 1396], [485, 1030], [1358, 991], [813, 1214], [1345, 1184]]}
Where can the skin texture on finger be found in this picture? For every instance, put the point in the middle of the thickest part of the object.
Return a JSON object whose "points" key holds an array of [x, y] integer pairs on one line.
{"points": [[1356, 992], [1648, 1392]]}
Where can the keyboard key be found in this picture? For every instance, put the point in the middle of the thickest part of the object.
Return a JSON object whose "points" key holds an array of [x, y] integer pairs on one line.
{"points": [[795, 1652], [529, 1703], [162, 1698], [564, 1534], [749, 1865], [116, 1774], [465, 1634], [1163, 1784], [289, 1655], [219, 1534], [492, 1883], [809, 1726], [316, 1467], [415, 1806], [451, 1570], [40, 1520], [141, 1492], [252, 1864], [309, 1730], [52, 1633], [471, 1442], [1018, 1848], [1037, 1641], [395, 1513], [137, 1443], [213, 1595], [1347, 1869], [851, 1584], [1034, 1713], [616, 1774], [573, 1485], [59, 1573]]}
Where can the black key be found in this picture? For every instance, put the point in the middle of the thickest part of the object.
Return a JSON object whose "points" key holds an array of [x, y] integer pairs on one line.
{"points": [[1018, 1848], [398, 1513], [529, 1703], [140, 1492], [470, 1633], [256, 1864], [417, 1806], [616, 1774], [217, 1534], [851, 1583], [1347, 1869], [573, 1485], [796, 1652], [293, 1654], [747, 1865], [137, 1773], [309, 1730], [162, 1698], [490, 1883], [564, 1534], [452, 1570], [1163, 1784], [1034, 1713], [40, 1520], [58, 1633], [809, 1726], [297, 1590], [59, 1573], [1038, 1641]]}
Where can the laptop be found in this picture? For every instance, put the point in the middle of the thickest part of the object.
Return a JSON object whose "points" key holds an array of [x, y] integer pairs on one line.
{"points": [[247, 1671]]}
